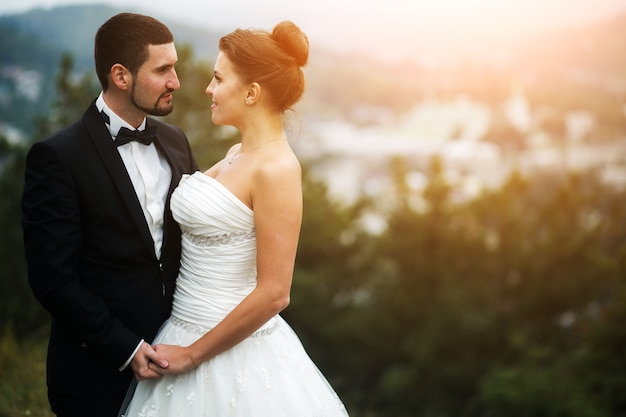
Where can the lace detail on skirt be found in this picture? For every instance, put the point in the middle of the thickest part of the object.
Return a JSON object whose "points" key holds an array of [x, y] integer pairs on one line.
{"points": [[224, 239], [194, 328]]}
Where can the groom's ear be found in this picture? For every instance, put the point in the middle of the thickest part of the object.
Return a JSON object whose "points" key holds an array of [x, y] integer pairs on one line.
{"points": [[120, 76]]}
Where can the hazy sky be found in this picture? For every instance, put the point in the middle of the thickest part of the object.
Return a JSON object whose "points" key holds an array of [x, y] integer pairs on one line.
{"points": [[387, 25]]}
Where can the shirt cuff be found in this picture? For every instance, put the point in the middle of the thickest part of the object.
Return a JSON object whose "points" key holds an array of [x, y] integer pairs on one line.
{"points": [[131, 357]]}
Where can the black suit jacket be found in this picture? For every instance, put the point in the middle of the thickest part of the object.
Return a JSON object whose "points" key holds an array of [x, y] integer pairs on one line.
{"points": [[90, 255]]}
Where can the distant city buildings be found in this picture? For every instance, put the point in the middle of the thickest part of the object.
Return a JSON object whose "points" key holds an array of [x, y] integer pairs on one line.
{"points": [[354, 160]]}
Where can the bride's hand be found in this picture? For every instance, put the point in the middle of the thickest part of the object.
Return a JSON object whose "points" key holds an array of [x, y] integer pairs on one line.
{"points": [[178, 358]]}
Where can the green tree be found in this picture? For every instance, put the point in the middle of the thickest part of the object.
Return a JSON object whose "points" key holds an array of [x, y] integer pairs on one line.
{"points": [[552, 275], [74, 93], [487, 307], [16, 304]]}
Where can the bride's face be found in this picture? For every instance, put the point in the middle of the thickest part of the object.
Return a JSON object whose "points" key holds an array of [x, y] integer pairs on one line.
{"points": [[228, 93]]}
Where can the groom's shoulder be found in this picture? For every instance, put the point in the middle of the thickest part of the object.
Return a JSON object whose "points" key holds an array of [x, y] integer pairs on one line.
{"points": [[167, 130]]}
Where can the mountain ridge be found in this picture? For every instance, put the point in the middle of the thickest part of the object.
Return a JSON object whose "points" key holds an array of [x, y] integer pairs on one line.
{"points": [[33, 42]]}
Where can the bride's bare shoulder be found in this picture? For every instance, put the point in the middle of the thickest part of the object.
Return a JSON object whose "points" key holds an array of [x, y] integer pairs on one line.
{"points": [[280, 163]]}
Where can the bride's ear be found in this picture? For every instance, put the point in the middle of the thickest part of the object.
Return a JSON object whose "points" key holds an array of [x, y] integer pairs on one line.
{"points": [[254, 93]]}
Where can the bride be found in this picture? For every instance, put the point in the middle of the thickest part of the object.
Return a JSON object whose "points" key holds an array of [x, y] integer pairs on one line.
{"points": [[229, 351]]}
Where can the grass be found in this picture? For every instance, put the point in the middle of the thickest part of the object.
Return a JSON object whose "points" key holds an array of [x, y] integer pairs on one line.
{"points": [[23, 382]]}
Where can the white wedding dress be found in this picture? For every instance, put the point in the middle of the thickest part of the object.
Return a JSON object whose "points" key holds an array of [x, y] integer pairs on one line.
{"points": [[269, 373]]}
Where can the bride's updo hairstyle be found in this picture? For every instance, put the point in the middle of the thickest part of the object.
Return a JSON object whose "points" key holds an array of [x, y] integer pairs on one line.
{"points": [[273, 60]]}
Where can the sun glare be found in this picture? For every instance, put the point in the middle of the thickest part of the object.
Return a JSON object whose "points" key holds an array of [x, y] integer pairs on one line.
{"points": [[397, 27]]}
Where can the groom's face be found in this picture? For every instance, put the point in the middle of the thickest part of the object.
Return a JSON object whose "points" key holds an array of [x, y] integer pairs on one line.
{"points": [[156, 80]]}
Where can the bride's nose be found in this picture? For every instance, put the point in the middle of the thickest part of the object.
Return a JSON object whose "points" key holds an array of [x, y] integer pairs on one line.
{"points": [[209, 88]]}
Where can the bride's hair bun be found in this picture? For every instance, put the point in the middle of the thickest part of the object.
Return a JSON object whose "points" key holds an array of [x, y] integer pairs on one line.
{"points": [[272, 59], [293, 41]]}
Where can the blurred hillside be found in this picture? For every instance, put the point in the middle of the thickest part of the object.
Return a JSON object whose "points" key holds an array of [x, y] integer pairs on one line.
{"points": [[553, 67]]}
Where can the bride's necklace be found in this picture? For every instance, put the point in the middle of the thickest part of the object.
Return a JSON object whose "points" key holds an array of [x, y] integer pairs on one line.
{"points": [[239, 154]]}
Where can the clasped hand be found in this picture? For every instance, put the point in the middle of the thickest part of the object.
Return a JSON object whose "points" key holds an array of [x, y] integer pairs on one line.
{"points": [[178, 360], [150, 362], [140, 364]]}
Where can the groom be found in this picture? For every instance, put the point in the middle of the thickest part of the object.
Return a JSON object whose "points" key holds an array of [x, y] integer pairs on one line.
{"points": [[102, 248]]}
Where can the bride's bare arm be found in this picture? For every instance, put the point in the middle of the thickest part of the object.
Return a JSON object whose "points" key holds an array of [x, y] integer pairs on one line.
{"points": [[276, 195]]}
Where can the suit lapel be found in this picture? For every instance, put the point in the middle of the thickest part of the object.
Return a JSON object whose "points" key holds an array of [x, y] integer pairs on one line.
{"points": [[112, 160]]}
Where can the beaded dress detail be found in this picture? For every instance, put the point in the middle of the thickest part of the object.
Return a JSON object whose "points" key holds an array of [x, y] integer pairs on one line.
{"points": [[269, 374]]}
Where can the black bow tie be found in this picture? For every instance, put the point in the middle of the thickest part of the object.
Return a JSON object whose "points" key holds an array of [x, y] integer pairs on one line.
{"points": [[145, 136], [125, 135]]}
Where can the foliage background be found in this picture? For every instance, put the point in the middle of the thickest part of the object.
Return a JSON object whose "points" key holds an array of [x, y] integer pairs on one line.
{"points": [[511, 304]]}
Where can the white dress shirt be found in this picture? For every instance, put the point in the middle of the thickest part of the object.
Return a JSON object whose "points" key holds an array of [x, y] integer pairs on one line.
{"points": [[149, 172]]}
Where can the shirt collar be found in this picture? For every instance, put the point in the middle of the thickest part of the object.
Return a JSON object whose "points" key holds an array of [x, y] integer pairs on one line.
{"points": [[116, 122]]}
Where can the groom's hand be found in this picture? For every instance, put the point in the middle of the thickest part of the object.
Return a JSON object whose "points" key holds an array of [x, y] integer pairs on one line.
{"points": [[141, 361]]}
